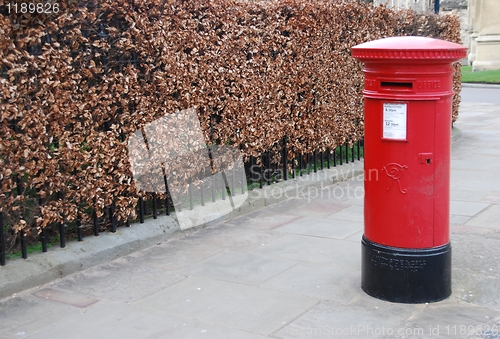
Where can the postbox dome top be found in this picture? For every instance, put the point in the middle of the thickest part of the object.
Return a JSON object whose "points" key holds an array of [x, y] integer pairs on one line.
{"points": [[411, 48]]}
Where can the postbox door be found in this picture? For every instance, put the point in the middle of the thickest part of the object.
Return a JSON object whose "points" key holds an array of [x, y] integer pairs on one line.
{"points": [[399, 172]]}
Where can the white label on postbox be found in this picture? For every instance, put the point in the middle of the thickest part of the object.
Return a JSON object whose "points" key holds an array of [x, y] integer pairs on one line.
{"points": [[394, 124]]}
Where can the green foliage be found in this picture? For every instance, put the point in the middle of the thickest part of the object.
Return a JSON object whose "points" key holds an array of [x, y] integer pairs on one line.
{"points": [[35, 248], [488, 77]]}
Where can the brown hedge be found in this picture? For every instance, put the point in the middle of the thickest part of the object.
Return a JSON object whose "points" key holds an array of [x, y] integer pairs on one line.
{"points": [[76, 84]]}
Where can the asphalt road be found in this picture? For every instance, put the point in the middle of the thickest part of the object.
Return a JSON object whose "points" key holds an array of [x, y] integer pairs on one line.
{"points": [[489, 94]]}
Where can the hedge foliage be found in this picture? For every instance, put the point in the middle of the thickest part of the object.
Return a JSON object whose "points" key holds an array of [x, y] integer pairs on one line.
{"points": [[75, 84]]}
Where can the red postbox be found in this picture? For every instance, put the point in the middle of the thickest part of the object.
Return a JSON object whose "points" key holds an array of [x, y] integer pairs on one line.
{"points": [[406, 252]]}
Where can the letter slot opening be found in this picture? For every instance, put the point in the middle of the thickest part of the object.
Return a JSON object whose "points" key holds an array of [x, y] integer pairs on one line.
{"points": [[396, 85]]}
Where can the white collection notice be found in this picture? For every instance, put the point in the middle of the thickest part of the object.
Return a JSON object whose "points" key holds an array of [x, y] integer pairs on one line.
{"points": [[394, 121]]}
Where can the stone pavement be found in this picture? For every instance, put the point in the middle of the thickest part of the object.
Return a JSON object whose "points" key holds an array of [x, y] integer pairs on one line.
{"points": [[288, 270]]}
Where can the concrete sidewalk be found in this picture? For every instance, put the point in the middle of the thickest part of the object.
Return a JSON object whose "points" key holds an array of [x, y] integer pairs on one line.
{"points": [[290, 270]]}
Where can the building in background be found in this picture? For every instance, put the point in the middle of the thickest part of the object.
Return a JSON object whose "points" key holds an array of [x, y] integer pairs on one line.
{"points": [[461, 8], [479, 22], [484, 32], [441, 6]]}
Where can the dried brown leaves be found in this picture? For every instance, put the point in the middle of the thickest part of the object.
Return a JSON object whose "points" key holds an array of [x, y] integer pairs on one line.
{"points": [[74, 86]]}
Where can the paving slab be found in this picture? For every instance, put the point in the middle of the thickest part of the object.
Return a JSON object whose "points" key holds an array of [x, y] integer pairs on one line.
{"points": [[173, 254], [26, 314], [111, 321], [359, 201], [482, 183], [458, 174], [246, 268], [469, 195], [487, 219], [488, 150], [351, 213], [463, 150], [317, 208], [467, 208], [201, 330], [476, 253], [451, 319], [322, 227], [492, 198], [458, 219], [365, 318], [265, 219], [356, 237], [237, 306], [108, 281], [320, 281], [65, 297], [235, 237], [462, 229], [313, 249], [477, 289]]}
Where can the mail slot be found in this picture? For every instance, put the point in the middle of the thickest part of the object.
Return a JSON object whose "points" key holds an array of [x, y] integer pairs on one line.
{"points": [[396, 85], [406, 252]]}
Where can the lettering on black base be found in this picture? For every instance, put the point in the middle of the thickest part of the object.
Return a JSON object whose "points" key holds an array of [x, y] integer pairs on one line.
{"points": [[397, 264], [406, 275]]}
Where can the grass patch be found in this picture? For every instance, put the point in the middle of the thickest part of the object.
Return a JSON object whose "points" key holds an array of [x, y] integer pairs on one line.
{"points": [[35, 248], [487, 77]]}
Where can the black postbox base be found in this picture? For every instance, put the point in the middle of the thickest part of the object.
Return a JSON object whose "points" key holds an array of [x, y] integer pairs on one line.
{"points": [[404, 275]]}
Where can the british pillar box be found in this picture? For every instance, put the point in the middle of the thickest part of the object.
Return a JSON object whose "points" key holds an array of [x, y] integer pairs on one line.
{"points": [[406, 251]]}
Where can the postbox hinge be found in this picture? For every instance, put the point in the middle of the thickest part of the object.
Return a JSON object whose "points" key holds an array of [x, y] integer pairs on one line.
{"points": [[426, 158]]}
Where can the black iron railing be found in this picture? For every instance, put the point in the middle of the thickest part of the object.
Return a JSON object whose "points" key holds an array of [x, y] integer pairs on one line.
{"points": [[259, 172]]}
